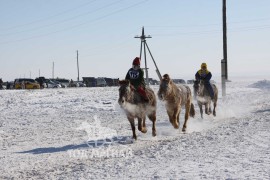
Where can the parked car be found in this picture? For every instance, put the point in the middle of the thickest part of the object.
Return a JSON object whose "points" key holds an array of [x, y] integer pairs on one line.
{"points": [[152, 81], [41, 81], [9, 85], [90, 81], [190, 81], [111, 81], [179, 81], [1, 84], [101, 82], [64, 82], [51, 84], [80, 84], [25, 83], [56, 82]]}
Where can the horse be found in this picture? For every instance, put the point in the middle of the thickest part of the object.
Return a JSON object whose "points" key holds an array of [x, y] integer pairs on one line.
{"points": [[176, 97], [204, 98], [135, 106]]}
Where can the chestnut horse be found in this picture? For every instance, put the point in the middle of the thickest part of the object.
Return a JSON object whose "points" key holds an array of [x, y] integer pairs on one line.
{"points": [[203, 97], [176, 97], [136, 107]]}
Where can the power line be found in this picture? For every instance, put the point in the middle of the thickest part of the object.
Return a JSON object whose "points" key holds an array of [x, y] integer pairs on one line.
{"points": [[241, 29], [205, 25], [75, 26], [50, 17], [62, 21]]}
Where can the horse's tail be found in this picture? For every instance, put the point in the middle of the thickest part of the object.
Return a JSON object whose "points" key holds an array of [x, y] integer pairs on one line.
{"points": [[192, 110]]}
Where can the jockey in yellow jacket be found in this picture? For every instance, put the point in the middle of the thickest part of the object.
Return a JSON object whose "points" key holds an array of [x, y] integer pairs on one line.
{"points": [[205, 75]]}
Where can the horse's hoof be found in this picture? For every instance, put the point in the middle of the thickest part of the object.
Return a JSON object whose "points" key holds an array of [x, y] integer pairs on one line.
{"points": [[135, 137], [144, 130], [214, 114], [184, 130], [154, 133]]}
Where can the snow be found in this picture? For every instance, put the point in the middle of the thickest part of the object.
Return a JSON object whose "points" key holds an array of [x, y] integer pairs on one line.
{"points": [[82, 133]]}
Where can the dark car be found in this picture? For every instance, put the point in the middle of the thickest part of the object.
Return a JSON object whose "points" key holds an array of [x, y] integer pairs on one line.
{"points": [[90, 81], [41, 81], [63, 82], [190, 81], [179, 81], [111, 81]]}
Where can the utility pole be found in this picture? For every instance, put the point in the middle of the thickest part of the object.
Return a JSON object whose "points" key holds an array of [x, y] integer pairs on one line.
{"points": [[39, 73], [53, 71], [78, 65], [224, 63], [143, 47], [225, 38]]}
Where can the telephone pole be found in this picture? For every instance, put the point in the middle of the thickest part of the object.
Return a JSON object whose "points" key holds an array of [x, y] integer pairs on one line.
{"points": [[78, 65], [143, 47], [225, 38]]}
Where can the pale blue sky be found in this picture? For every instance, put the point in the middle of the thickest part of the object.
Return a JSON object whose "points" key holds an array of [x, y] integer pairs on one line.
{"points": [[35, 33]]}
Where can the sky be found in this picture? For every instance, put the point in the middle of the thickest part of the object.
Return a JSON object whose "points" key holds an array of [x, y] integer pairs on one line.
{"points": [[34, 34]]}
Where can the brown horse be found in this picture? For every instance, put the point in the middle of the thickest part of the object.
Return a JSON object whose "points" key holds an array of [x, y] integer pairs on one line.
{"points": [[203, 97], [175, 98], [136, 107]]}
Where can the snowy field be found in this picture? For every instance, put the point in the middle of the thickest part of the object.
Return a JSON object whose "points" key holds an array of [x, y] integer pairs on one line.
{"points": [[83, 134]]}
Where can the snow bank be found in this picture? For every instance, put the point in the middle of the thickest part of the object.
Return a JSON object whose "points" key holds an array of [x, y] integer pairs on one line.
{"points": [[264, 84]]}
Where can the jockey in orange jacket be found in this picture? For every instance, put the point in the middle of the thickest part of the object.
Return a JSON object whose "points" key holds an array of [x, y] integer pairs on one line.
{"points": [[205, 75], [136, 77]]}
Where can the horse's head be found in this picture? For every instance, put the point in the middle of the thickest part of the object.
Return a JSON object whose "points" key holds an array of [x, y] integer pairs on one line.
{"points": [[165, 87], [201, 88], [196, 85], [124, 91]]}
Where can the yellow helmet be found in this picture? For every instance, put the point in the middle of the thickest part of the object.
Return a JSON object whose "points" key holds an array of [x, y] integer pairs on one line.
{"points": [[204, 65]]}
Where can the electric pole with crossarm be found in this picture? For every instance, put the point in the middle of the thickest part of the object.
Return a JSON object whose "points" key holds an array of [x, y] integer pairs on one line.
{"points": [[143, 48]]}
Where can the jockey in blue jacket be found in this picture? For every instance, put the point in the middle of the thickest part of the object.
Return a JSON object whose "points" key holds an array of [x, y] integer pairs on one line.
{"points": [[205, 75], [136, 77]]}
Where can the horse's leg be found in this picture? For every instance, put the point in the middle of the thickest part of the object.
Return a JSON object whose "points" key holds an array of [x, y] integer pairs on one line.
{"points": [[207, 108], [140, 124], [175, 117], [215, 105], [144, 129], [170, 116], [188, 106], [131, 120], [201, 109], [153, 117]]}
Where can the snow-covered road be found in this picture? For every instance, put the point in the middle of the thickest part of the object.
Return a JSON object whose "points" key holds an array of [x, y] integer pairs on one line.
{"points": [[83, 134]]}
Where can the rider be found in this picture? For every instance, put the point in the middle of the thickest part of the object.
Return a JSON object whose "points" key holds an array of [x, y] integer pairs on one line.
{"points": [[205, 75], [136, 77]]}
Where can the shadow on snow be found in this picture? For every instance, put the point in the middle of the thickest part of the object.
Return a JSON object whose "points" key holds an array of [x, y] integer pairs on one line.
{"points": [[123, 140]]}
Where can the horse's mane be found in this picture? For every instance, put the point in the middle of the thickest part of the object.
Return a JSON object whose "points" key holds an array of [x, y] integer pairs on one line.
{"points": [[134, 95], [175, 92]]}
